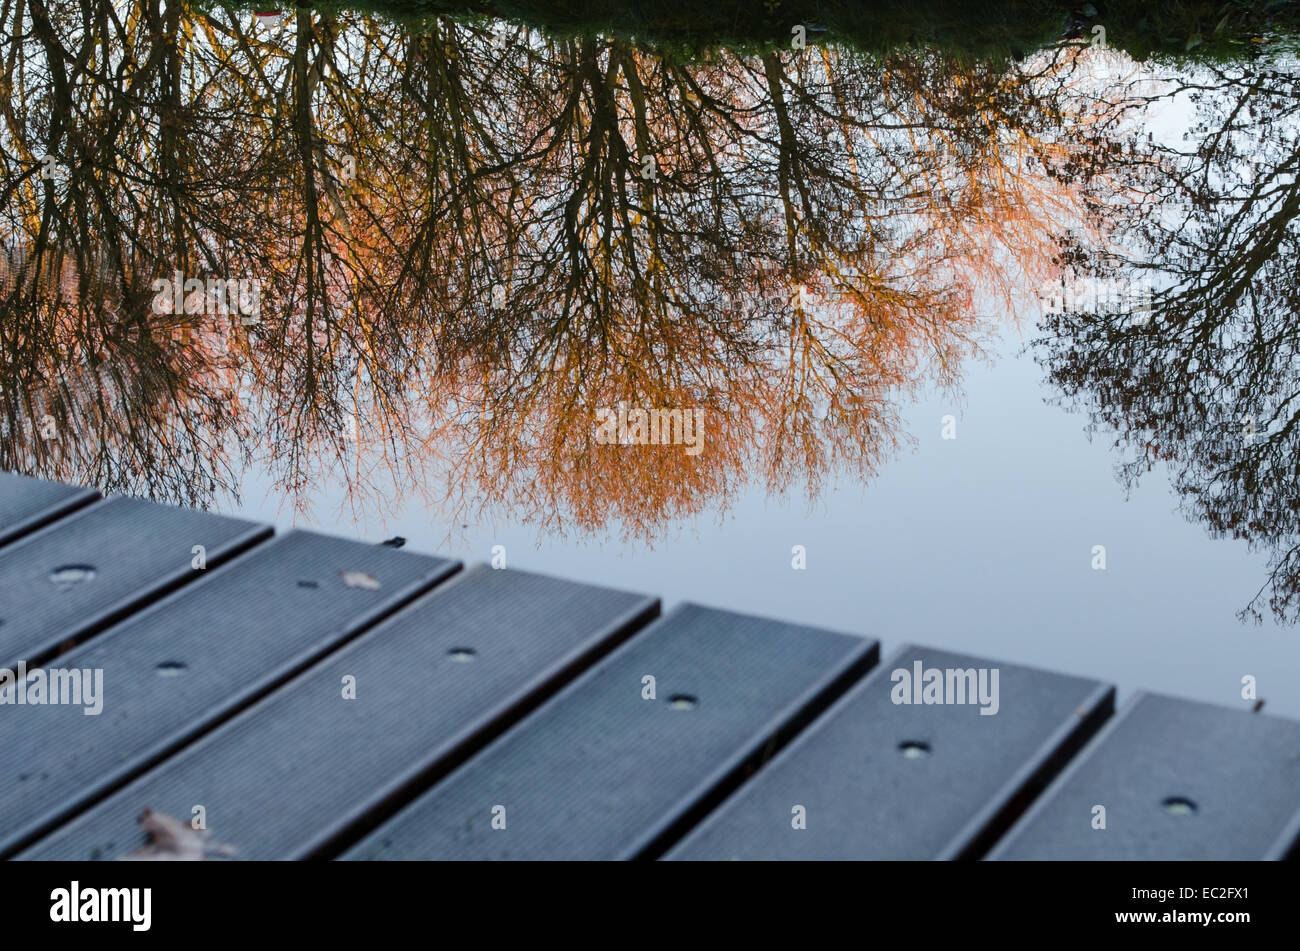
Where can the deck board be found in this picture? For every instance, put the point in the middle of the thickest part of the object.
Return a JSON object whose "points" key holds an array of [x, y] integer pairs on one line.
{"points": [[224, 687], [191, 659], [138, 551], [863, 798], [304, 767], [1240, 772], [603, 772], [28, 504]]}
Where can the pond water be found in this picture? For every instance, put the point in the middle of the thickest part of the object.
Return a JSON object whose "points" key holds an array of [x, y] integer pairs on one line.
{"points": [[991, 353]]}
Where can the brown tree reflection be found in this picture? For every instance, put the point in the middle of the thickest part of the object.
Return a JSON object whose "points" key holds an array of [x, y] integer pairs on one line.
{"points": [[465, 248]]}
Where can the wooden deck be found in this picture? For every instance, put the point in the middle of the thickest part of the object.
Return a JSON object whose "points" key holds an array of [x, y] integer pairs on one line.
{"points": [[311, 697]]}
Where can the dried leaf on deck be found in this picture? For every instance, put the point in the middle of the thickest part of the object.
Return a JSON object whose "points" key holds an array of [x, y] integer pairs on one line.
{"points": [[171, 840]]}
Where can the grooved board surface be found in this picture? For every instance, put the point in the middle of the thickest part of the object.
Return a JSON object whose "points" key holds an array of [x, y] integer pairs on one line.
{"points": [[137, 550], [863, 798], [26, 504], [283, 777], [197, 655], [599, 772], [1239, 771]]}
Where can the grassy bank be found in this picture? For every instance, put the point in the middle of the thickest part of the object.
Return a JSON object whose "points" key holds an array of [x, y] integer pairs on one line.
{"points": [[1207, 30]]}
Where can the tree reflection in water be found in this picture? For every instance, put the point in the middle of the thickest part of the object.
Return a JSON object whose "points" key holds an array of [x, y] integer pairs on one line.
{"points": [[468, 242]]}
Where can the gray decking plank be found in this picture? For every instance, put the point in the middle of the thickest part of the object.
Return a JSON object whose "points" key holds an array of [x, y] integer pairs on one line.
{"points": [[305, 768], [864, 799], [1239, 771], [139, 551], [601, 772], [238, 632], [27, 504]]}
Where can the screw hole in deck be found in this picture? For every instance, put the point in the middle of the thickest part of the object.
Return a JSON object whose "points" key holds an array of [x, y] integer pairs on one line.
{"points": [[462, 654], [1179, 806], [72, 574], [682, 701], [914, 749], [170, 668]]}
